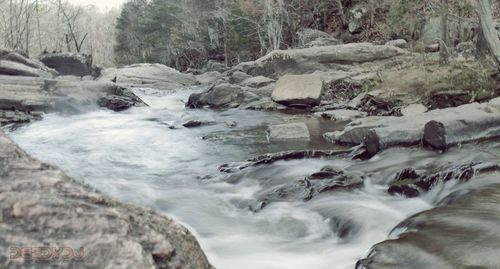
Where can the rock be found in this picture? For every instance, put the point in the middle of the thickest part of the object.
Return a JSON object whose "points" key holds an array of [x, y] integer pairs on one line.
{"points": [[221, 95], [264, 103], [400, 43], [305, 189], [315, 59], [289, 131], [463, 229], [308, 35], [212, 65], [357, 17], [76, 64], [18, 58], [282, 156], [322, 41], [357, 102], [257, 82], [410, 184], [148, 75], [197, 123], [237, 77], [41, 206], [11, 68], [209, 77], [118, 103], [439, 128], [231, 124], [298, 90], [16, 118], [413, 109], [494, 105], [341, 115], [450, 98]]}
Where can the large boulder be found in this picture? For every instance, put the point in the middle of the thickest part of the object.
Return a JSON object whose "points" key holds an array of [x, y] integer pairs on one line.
{"points": [[440, 128], [461, 232], [325, 58], [12, 68], [76, 64], [298, 90], [148, 75], [221, 95], [42, 208], [20, 58]]}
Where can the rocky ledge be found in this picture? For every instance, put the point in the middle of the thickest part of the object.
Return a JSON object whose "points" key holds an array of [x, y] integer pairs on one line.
{"points": [[42, 208]]}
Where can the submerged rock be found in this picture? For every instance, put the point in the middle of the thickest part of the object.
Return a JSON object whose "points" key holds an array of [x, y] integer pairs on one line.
{"points": [[41, 206], [289, 131], [197, 123]]}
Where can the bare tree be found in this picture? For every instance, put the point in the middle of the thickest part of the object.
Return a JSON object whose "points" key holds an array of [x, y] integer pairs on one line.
{"points": [[488, 29], [71, 18]]}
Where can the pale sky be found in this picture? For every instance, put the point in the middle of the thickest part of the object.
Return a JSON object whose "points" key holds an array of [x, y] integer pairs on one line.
{"points": [[101, 4]]}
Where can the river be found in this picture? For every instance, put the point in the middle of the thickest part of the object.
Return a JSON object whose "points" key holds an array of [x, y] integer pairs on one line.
{"points": [[135, 157]]}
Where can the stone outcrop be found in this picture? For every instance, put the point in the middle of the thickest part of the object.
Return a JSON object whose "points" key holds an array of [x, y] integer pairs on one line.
{"points": [[298, 90], [74, 64], [325, 58], [462, 232], [41, 207], [148, 76], [439, 128]]}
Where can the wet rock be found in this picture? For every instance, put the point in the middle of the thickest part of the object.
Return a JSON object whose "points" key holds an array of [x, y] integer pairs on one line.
{"points": [[19, 58], [197, 123], [289, 131], [117, 103], [76, 64], [461, 232], [311, 186], [410, 184], [400, 43], [257, 82], [341, 115], [16, 118], [439, 128], [41, 206], [148, 75], [298, 90]]}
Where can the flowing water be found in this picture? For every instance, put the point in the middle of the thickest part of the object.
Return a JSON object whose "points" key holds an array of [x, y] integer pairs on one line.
{"points": [[141, 157]]}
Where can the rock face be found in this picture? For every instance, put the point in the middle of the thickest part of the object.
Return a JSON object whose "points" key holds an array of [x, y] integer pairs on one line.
{"points": [[148, 75], [75, 64], [42, 207], [289, 131], [298, 90], [221, 95], [326, 58], [439, 128], [462, 232]]}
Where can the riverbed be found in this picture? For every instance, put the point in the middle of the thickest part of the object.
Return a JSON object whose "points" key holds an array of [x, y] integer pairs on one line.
{"points": [[145, 156]]}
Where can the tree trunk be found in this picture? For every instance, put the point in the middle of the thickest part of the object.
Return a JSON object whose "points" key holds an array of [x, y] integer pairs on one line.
{"points": [[488, 29], [443, 47], [341, 13]]}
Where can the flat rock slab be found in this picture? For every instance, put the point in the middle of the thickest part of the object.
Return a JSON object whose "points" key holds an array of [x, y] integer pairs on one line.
{"points": [[414, 109], [40, 206], [289, 131], [439, 128], [298, 90]]}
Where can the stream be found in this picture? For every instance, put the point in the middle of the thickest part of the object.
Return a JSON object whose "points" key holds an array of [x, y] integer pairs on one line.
{"points": [[144, 156]]}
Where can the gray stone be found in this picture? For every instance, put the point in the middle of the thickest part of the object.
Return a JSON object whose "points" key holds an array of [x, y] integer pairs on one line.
{"points": [[257, 82], [341, 115], [209, 77], [76, 64], [400, 43], [289, 131], [265, 103], [11, 68], [41, 206], [237, 77], [221, 95], [148, 75], [298, 90], [413, 109]]}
